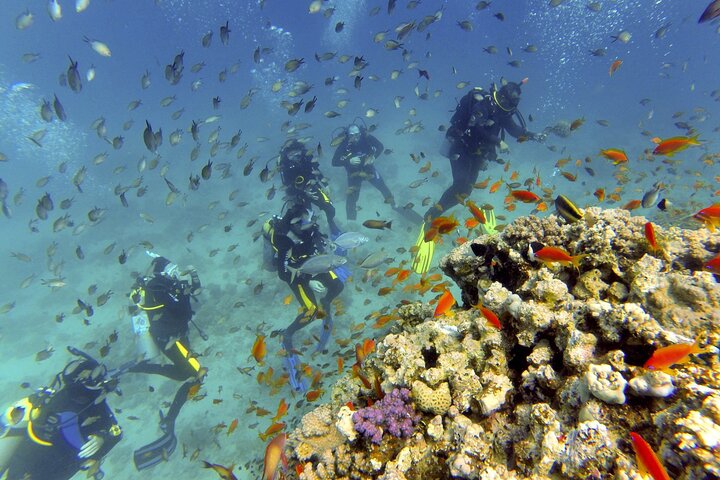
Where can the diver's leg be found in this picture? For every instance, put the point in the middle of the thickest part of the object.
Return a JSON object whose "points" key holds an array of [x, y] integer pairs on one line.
{"points": [[326, 206], [353, 193], [465, 170], [377, 182]]}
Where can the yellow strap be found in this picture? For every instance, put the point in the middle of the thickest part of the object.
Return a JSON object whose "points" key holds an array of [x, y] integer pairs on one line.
{"points": [[325, 196], [332, 275], [309, 305], [158, 307], [35, 438], [185, 353]]}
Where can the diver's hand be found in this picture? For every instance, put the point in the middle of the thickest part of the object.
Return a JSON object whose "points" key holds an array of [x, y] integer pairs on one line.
{"points": [[355, 160], [91, 447], [490, 221], [503, 147], [318, 287]]}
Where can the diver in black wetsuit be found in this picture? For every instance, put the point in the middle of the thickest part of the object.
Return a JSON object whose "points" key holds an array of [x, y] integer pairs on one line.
{"points": [[476, 132], [293, 239], [61, 429], [357, 153], [161, 314], [302, 179]]}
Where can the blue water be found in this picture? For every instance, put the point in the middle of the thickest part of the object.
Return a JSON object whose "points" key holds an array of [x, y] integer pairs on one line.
{"points": [[677, 73]]}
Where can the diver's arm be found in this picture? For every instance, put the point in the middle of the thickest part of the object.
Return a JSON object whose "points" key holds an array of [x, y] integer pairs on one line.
{"points": [[376, 147], [283, 245], [195, 284], [514, 129], [460, 119], [106, 428], [339, 159]]}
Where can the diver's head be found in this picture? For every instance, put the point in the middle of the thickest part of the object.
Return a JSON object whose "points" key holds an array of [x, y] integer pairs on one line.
{"points": [[293, 151], [300, 218], [353, 133], [508, 96], [163, 266], [84, 379]]}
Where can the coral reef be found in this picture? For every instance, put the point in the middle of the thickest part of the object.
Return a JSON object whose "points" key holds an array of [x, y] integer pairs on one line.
{"points": [[557, 390], [393, 414]]}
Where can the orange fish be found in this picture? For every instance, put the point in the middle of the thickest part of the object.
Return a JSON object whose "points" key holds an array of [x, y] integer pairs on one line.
{"points": [[444, 225], [368, 346], [460, 240], [632, 205], [401, 276], [444, 304], [482, 184], [271, 430], [665, 357], [495, 186], [384, 291], [259, 349], [541, 207], [391, 271], [569, 176], [525, 196], [577, 123], [515, 174], [313, 395], [281, 410], [710, 216], [650, 236], [476, 212], [287, 300], [430, 234], [194, 389], [616, 155], [232, 427], [600, 194], [557, 255], [471, 223], [356, 372], [713, 265], [341, 364], [489, 316], [671, 146], [647, 459], [614, 66], [223, 472], [274, 455]]}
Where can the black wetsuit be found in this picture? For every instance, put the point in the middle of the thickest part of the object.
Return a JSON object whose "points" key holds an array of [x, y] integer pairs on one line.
{"points": [[169, 330], [477, 127], [367, 148], [69, 409], [293, 247], [302, 179]]}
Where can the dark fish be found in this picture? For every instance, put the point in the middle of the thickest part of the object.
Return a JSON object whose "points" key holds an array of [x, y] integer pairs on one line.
{"points": [[73, 76], [46, 111], [567, 209], [358, 81], [79, 253], [122, 258], [194, 130], [207, 39], [339, 27], [59, 110], [712, 11], [423, 73], [194, 182], [248, 168], [216, 102], [664, 204], [123, 200], [170, 185], [310, 105], [256, 55], [149, 137], [378, 224], [225, 33], [207, 170], [391, 6]]}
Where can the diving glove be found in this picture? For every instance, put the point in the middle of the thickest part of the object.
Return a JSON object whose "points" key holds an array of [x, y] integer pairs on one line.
{"points": [[490, 221], [424, 254]]}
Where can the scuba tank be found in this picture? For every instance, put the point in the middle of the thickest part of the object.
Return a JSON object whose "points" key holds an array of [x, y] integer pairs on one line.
{"points": [[144, 342]]}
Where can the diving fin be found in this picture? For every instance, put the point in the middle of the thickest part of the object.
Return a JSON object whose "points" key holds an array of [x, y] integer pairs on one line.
{"points": [[157, 451], [424, 254]]}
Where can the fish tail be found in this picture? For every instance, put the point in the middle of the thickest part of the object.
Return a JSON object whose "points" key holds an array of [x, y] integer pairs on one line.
{"points": [[577, 259], [694, 140]]}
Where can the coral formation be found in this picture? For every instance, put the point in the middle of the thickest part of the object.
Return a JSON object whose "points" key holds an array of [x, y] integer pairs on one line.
{"points": [[393, 414], [558, 389]]}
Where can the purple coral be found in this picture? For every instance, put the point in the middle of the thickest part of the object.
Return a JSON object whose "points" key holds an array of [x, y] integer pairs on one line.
{"points": [[394, 414]]}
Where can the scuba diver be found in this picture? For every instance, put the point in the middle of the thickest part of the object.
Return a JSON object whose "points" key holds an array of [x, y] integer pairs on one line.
{"points": [[291, 241], [161, 314], [357, 153], [64, 428], [302, 178], [477, 129]]}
